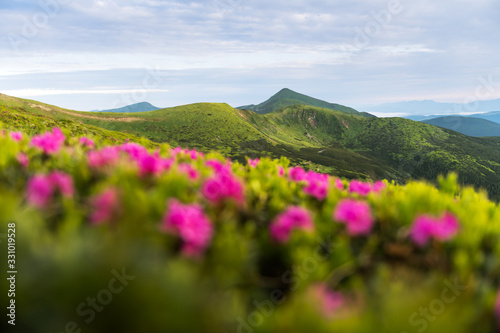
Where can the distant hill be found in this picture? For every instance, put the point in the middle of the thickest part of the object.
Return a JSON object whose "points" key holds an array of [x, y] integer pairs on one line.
{"points": [[286, 97], [138, 107], [470, 126], [491, 116], [433, 108]]}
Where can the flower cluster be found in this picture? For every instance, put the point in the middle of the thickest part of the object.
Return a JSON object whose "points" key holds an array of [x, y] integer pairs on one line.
{"points": [[356, 215], [41, 188], [191, 224], [49, 142], [426, 227], [223, 185], [104, 206], [292, 218]]}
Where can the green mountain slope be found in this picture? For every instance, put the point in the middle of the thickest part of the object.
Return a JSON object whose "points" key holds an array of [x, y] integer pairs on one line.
{"points": [[471, 126], [137, 107], [347, 145], [287, 97]]}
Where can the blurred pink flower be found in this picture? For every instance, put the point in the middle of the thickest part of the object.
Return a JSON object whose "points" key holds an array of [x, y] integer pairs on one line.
{"points": [[293, 217], [281, 171], [360, 187], [104, 206], [41, 188], [50, 142], [296, 174], [317, 185], [253, 163], [150, 165], [63, 182], [378, 186], [191, 224], [426, 227], [86, 142], [339, 184], [217, 165], [328, 300], [224, 185], [16, 136], [357, 216], [23, 159], [107, 156], [134, 150], [189, 171]]}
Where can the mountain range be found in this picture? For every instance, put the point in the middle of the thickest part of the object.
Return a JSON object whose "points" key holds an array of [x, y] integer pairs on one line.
{"points": [[471, 126], [137, 107], [344, 142], [427, 107]]}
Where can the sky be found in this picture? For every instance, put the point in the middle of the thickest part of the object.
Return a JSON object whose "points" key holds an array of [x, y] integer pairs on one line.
{"points": [[100, 54]]}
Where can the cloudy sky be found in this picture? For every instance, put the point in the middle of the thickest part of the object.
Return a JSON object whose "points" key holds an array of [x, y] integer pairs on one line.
{"points": [[97, 54]]}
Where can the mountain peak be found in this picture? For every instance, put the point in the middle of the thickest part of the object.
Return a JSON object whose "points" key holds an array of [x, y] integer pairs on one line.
{"points": [[137, 107], [287, 97]]}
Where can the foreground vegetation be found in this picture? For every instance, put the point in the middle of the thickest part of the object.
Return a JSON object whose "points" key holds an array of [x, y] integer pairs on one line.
{"points": [[112, 237]]}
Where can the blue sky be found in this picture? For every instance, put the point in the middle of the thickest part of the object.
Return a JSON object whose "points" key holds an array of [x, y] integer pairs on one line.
{"points": [[97, 54]]}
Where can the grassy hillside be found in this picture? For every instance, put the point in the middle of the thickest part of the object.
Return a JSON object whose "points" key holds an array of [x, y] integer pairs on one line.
{"points": [[287, 97], [470, 126], [325, 140]]}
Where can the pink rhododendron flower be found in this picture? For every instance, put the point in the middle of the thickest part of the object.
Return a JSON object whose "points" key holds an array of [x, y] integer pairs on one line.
{"points": [[293, 218], [190, 223], [223, 185], [378, 186], [328, 300], [360, 187], [317, 185], [217, 165], [339, 184], [150, 165], [39, 190], [63, 182], [281, 171], [427, 227], [16, 136], [253, 163], [23, 159], [50, 142], [356, 215], [86, 142], [104, 206], [107, 156], [189, 171], [297, 174], [134, 150]]}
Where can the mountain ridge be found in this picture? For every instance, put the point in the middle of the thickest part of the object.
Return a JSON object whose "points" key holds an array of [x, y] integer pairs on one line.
{"points": [[287, 97]]}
